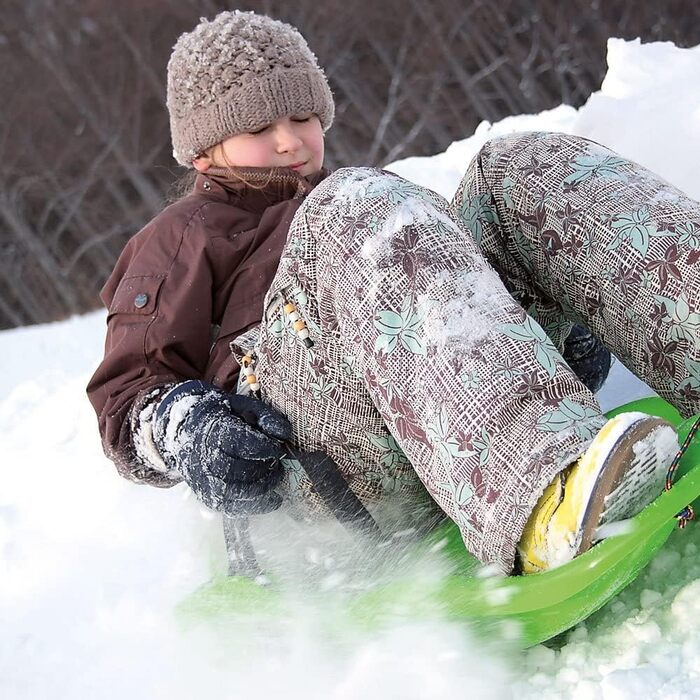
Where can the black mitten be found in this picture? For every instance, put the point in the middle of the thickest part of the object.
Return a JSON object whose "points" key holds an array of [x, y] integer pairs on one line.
{"points": [[226, 446], [588, 358]]}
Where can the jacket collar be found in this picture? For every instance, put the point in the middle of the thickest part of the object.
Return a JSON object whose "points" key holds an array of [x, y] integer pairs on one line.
{"points": [[256, 189]]}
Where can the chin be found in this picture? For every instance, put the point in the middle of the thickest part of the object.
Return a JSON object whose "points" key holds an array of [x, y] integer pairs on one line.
{"points": [[310, 169]]}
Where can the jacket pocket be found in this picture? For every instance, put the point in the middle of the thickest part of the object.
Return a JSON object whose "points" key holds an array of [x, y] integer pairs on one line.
{"points": [[137, 295]]}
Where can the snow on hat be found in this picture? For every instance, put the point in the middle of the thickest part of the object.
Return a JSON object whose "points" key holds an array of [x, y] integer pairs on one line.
{"points": [[238, 73]]}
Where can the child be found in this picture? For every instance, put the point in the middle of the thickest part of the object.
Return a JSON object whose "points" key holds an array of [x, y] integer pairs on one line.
{"points": [[361, 309]]}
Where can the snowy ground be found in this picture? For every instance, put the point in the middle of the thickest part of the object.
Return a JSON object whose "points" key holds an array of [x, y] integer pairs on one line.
{"points": [[91, 565]]}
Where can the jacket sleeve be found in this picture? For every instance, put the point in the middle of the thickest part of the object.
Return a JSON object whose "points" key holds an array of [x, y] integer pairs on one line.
{"points": [[159, 301]]}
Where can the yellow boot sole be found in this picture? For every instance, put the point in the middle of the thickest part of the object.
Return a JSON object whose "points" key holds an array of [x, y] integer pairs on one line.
{"points": [[619, 474]]}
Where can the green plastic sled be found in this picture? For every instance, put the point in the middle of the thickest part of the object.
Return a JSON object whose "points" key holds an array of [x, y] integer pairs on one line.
{"points": [[526, 609]]}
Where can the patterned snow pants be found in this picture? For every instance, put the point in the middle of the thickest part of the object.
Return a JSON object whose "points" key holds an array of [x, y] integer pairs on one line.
{"points": [[429, 371]]}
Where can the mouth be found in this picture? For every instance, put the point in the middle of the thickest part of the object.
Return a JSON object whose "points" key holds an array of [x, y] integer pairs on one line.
{"points": [[296, 166]]}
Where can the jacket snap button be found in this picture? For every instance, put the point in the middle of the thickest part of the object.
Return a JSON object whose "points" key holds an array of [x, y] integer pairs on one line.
{"points": [[140, 300], [206, 185]]}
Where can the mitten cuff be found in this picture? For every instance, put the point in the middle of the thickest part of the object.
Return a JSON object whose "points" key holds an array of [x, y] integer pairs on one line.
{"points": [[192, 387], [145, 449]]}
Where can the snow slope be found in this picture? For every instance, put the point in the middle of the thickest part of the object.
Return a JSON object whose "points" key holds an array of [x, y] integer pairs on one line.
{"points": [[92, 565]]}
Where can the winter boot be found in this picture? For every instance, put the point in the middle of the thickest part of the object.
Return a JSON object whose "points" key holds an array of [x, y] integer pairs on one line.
{"points": [[621, 472]]}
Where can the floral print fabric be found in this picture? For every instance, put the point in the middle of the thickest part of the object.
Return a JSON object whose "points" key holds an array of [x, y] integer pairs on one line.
{"points": [[434, 369], [581, 234]]}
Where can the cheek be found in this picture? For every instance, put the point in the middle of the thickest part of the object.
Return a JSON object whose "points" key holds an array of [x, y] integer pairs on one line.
{"points": [[252, 154], [318, 145], [259, 155], [247, 152]]}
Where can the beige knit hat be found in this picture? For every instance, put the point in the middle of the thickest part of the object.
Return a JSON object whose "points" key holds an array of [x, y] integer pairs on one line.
{"points": [[238, 73]]}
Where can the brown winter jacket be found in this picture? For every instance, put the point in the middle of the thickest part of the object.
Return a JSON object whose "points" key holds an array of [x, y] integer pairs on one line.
{"points": [[184, 287]]}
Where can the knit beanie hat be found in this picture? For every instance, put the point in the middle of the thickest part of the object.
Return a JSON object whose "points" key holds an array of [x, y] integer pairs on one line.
{"points": [[238, 73]]}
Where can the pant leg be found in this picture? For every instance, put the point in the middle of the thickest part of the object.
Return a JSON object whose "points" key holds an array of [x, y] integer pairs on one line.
{"points": [[422, 362], [581, 234]]}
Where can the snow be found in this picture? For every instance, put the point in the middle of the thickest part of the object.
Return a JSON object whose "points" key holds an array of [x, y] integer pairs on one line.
{"points": [[648, 109], [455, 323], [91, 566], [413, 210]]}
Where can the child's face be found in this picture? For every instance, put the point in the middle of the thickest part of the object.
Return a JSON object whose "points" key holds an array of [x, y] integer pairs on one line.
{"points": [[293, 142]]}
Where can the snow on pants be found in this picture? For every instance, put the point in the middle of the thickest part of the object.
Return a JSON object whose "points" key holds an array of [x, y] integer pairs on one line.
{"points": [[425, 374]]}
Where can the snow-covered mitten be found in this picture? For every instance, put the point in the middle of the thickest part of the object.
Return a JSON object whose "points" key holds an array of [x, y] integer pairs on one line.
{"points": [[588, 358], [227, 447]]}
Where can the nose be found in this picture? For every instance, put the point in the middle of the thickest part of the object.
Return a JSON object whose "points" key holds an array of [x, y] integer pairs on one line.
{"points": [[287, 139]]}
